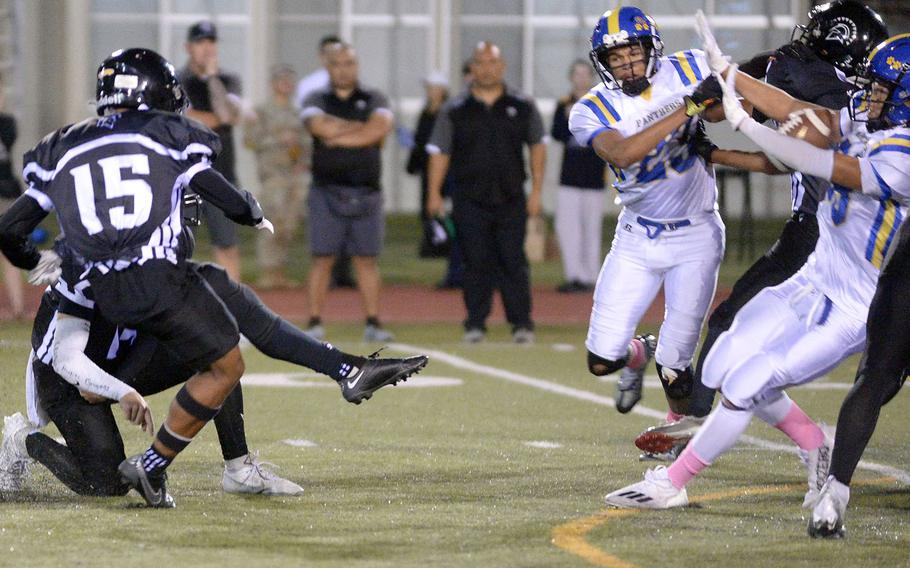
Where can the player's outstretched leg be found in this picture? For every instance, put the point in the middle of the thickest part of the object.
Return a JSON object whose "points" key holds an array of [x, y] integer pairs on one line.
{"points": [[196, 403]]}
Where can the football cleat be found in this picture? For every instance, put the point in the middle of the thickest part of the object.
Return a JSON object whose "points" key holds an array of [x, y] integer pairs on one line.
{"points": [[249, 475], [668, 456], [827, 520], [819, 461], [663, 438], [628, 388], [152, 488], [376, 373], [655, 492], [14, 458]]}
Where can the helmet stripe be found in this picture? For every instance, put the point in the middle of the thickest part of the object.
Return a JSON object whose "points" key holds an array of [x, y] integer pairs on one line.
{"points": [[885, 43], [613, 22]]}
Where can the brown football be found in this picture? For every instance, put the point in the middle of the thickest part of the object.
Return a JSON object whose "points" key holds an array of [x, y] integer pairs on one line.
{"points": [[809, 125]]}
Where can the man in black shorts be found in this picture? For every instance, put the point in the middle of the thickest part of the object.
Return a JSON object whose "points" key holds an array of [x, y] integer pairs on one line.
{"points": [[117, 183]]}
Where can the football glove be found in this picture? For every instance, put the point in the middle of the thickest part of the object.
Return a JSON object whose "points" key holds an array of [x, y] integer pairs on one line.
{"points": [[716, 58], [732, 107], [706, 94], [47, 271]]}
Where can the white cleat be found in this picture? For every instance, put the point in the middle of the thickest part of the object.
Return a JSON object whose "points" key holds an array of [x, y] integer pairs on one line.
{"points": [[249, 475], [655, 492], [14, 458], [818, 462], [827, 520]]}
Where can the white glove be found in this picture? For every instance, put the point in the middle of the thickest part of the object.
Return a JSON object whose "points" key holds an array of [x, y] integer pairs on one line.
{"points": [[716, 59], [265, 225], [47, 270], [732, 107]]}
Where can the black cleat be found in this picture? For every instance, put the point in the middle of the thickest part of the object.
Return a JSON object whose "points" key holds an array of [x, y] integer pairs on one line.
{"points": [[154, 491], [377, 373]]}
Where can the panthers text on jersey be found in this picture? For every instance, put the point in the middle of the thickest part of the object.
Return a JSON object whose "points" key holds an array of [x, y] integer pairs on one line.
{"points": [[671, 182], [117, 182], [856, 229]]}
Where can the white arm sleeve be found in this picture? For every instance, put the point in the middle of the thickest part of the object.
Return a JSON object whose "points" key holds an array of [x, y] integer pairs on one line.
{"points": [[797, 154], [71, 362]]}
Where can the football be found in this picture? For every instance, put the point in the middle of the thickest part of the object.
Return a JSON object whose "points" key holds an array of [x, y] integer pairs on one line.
{"points": [[809, 125]]}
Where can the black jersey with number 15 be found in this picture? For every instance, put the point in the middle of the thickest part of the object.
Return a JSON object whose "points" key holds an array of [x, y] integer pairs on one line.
{"points": [[116, 182]]}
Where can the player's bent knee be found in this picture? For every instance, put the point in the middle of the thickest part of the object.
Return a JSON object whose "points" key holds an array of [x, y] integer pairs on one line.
{"points": [[599, 366], [677, 383], [230, 367]]}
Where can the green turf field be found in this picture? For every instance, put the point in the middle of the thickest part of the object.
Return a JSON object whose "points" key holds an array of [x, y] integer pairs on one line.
{"points": [[444, 476]]}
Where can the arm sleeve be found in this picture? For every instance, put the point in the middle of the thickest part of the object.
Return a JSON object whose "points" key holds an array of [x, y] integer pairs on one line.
{"points": [[584, 124], [238, 205], [797, 154], [443, 133], [71, 362], [15, 227], [535, 126], [380, 105]]}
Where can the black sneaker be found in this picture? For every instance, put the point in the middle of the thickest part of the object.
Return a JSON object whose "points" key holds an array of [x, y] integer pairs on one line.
{"points": [[152, 489], [377, 373]]}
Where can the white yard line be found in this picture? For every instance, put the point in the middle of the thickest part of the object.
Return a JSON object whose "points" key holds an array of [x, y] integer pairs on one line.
{"points": [[556, 388]]}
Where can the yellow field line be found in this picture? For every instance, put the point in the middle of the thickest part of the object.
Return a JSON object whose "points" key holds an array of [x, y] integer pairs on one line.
{"points": [[572, 536]]}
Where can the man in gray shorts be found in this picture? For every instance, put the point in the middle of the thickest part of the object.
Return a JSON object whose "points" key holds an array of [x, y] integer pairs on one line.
{"points": [[349, 123]]}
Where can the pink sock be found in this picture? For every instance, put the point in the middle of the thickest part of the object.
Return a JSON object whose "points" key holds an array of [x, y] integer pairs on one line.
{"points": [[673, 417], [686, 466], [636, 354], [801, 429]]}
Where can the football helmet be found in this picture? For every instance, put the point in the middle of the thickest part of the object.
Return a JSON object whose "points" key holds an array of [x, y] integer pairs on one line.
{"points": [[623, 27], [842, 33], [888, 65], [138, 78]]}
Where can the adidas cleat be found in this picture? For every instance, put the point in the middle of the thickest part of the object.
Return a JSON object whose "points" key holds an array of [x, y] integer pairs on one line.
{"points": [[628, 388], [655, 492], [663, 438], [378, 372], [153, 490]]}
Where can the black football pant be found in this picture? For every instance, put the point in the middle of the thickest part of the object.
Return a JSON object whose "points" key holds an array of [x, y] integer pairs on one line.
{"points": [[884, 364], [780, 262], [491, 237]]}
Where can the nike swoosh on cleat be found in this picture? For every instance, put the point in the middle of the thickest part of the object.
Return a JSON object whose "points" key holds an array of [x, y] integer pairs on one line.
{"points": [[352, 383]]}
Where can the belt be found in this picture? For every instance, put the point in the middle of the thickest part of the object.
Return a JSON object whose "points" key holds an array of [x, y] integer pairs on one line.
{"points": [[655, 228]]}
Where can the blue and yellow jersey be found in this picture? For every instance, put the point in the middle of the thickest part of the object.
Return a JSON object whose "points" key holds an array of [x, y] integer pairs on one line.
{"points": [[857, 229], [671, 182]]}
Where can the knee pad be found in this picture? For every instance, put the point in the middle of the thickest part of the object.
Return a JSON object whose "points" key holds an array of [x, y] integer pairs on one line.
{"points": [[677, 383], [599, 366]]}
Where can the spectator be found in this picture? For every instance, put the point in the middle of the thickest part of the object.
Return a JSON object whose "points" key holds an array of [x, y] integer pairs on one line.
{"points": [[215, 102], [437, 91], [349, 123], [480, 136], [281, 144], [579, 201], [316, 81], [9, 191]]}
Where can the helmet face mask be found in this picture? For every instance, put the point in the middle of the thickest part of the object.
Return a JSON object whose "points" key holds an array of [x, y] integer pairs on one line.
{"points": [[626, 27], [138, 79]]}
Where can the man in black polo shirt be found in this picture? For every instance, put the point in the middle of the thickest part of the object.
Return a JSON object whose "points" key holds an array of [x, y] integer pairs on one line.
{"points": [[215, 102], [480, 135], [348, 123]]}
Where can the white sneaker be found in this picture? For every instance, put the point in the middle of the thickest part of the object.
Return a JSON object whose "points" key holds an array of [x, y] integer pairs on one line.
{"points": [[827, 520], [14, 459], [818, 462], [655, 492], [375, 334], [247, 474]]}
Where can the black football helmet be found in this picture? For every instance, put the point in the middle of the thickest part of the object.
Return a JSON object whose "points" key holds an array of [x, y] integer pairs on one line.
{"points": [[138, 78], [842, 33]]}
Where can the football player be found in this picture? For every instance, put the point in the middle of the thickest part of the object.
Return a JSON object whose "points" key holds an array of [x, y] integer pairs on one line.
{"points": [[92, 353], [882, 370], [801, 329], [642, 120], [816, 67]]}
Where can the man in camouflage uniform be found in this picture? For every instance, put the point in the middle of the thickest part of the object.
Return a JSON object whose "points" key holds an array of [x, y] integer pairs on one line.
{"points": [[281, 144]]}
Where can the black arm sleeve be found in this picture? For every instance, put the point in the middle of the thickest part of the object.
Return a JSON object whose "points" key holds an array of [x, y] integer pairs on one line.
{"points": [[238, 205], [15, 227]]}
